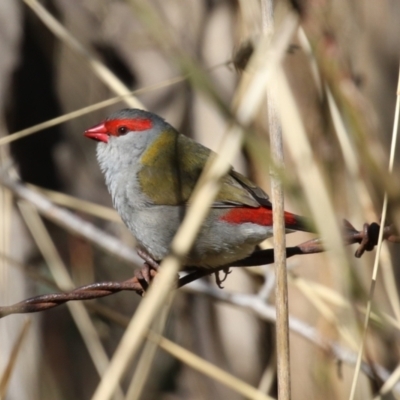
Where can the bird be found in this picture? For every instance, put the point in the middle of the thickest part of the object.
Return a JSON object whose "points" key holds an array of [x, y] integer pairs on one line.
{"points": [[151, 170]]}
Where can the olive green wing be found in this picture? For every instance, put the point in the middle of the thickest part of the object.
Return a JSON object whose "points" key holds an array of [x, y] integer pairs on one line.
{"points": [[172, 166], [239, 191]]}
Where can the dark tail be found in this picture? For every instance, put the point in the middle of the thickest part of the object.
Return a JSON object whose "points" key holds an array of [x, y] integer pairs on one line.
{"points": [[295, 222]]}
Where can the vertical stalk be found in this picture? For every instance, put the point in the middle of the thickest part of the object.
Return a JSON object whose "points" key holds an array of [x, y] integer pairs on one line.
{"points": [[379, 245], [281, 291]]}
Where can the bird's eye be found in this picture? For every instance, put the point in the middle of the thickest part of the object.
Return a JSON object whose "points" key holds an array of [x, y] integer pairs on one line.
{"points": [[122, 130]]}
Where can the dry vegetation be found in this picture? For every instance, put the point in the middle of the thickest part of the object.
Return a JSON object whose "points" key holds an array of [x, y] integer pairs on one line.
{"points": [[333, 66]]}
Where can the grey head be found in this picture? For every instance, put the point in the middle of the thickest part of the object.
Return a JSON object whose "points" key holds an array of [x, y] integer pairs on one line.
{"points": [[122, 139], [124, 136]]}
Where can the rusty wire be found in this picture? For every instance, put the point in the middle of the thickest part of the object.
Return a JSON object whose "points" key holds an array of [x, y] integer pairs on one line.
{"points": [[367, 239]]}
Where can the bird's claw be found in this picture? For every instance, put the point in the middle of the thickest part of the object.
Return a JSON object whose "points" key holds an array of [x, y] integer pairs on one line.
{"points": [[146, 274], [220, 281]]}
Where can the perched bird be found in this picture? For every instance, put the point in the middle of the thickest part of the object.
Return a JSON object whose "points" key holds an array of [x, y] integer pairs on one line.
{"points": [[151, 170]]}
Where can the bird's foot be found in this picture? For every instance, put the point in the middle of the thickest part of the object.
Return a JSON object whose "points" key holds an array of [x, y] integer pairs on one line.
{"points": [[147, 258], [220, 281], [146, 274]]}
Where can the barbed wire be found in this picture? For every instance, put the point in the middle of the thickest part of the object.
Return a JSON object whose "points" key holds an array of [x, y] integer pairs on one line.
{"points": [[367, 239]]}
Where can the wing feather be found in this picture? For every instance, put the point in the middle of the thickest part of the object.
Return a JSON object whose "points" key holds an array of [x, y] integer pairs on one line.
{"points": [[170, 163]]}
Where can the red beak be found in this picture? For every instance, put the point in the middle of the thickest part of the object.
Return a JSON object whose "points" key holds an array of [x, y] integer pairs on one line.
{"points": [[98, 132]]}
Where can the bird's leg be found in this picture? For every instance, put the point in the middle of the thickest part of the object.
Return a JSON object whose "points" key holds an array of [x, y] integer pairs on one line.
{"points": [[144, 276], [147, 258], [220, 281], [148, 271]]}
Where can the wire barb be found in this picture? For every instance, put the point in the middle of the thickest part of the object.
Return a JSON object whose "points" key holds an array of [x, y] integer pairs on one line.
{"points": [[366, 238]]}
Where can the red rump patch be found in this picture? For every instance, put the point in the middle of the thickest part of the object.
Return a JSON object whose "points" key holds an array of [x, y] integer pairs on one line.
{"points": [[131, 124], [260, 216]]}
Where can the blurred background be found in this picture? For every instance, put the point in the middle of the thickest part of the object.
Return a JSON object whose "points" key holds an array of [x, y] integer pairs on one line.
{"points": [[346, 49]]}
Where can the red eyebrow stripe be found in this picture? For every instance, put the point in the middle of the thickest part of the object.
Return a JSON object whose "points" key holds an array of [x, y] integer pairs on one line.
{"points": [[131, 124], [260, 216]]}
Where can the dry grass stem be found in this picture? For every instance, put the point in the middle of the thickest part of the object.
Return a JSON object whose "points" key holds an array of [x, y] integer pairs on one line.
{"points": [[353, 164], [261, 68], [71, 222], [267, 312], [277, 198], [252, 92], [389, 279], [6, 376], [351, 159], [254, 304], [63, 280], [328, 295], [310, 175], [6, 209], [269, 375], [389, 384], [380, 241], [99, 69], [208, 369], [326, 312], [76, 204], [305, 44], [86, 110], [58, 120], [145, 362], [337, 86]]}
